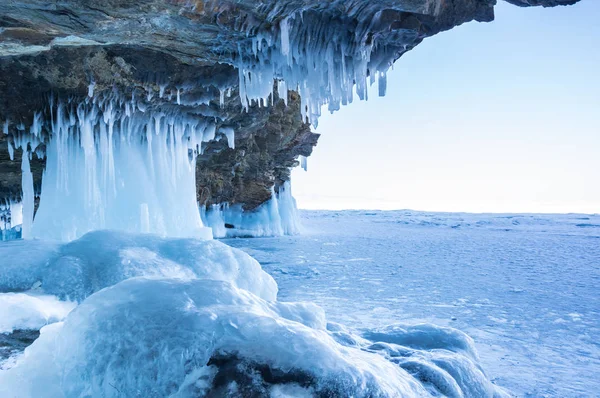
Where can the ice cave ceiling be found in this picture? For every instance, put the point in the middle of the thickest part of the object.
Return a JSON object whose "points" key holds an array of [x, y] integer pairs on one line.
{"points": [[223, 60]]}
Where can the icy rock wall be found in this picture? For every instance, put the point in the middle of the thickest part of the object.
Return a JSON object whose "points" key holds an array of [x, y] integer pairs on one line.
{"points": [[323, 50], [115, 163], [278, 216]]}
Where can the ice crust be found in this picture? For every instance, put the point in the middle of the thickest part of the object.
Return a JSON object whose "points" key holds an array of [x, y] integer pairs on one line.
{"points": [[184, 317], [278, 216]]}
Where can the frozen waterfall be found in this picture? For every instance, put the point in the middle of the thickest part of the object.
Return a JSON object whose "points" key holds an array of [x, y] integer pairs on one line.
{"points": [[115, 165]]}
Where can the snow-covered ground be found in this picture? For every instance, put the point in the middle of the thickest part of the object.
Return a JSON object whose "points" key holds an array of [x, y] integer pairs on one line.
{"points": [[124, 314], [525, 287]]}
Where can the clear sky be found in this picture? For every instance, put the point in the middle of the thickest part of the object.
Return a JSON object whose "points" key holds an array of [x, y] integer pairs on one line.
{"points": [[487, 117]]}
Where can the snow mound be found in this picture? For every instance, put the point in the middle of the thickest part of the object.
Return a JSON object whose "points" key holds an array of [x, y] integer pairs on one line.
{"points": [[185, 318], [103, 258], [168, 337]]}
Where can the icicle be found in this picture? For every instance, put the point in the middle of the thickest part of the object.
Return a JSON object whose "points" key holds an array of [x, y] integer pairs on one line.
{"points": [[209, 132], [318, 57], [28, 195], [282, 91], [11, 151], [16, 213], [91, 88], [278, 216], [304, 162], [36, 128], [285, 36], [382, 84], [229, 133]]}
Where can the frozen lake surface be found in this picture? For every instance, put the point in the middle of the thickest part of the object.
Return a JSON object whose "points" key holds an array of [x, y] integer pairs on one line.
{"points": [[525, 287]]}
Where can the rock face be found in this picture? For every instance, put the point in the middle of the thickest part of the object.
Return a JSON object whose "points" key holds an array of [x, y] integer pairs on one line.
{"points": [[543, 3], [204, 57], [268, 140]]}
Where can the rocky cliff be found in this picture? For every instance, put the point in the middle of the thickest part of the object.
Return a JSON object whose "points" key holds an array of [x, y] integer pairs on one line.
{"points": [[216, 59]]}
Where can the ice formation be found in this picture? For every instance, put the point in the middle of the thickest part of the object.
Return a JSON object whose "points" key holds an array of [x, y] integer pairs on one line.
{"points": [[128, 164], [276, 217], [313, 53], [11, 220], [115, 164], [184, 317], [124, 314]]}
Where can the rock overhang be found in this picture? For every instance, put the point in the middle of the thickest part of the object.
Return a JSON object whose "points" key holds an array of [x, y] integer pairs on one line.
{"points": [[184, 55]]}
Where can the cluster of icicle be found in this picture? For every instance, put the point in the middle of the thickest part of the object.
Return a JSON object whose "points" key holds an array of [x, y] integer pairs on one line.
{"points": [[30, 143], [11, 214], [278, 216], [316, 55], [114, 164]]}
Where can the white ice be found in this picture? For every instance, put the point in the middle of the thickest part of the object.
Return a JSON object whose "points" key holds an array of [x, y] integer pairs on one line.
{"points": [[27, 203], [11, 220], [103, 258]]}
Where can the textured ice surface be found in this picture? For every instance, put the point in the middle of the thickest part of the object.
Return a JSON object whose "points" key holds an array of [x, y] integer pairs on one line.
{"points": [[276, 217], [182, 317], [158, 337], [525, 287]]}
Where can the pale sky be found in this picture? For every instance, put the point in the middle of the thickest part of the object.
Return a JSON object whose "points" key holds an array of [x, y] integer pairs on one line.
{"points": [[488, 117]]}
